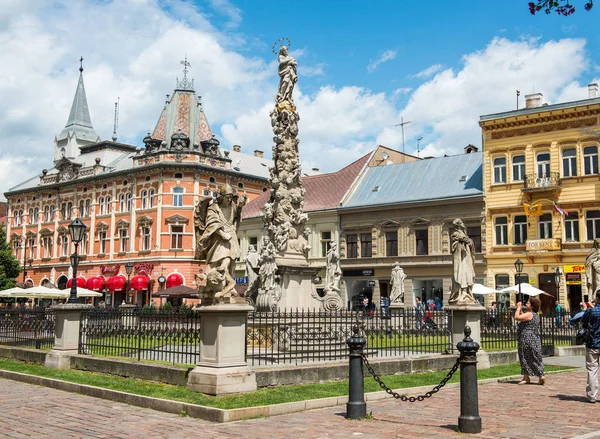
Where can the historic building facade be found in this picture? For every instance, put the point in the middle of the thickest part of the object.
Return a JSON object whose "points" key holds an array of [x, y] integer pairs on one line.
{"points": [[138, 202], [541, 186], [403, 213]]}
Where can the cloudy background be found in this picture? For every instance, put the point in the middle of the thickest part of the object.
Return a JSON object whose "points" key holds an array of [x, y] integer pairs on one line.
{"points": [[132, 50]]}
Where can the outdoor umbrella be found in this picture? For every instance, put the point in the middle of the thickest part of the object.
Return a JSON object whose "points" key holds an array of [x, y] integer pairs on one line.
{"points": [[528, 289], [180, 291], [81, 292], [11, 291], [482, 289]]}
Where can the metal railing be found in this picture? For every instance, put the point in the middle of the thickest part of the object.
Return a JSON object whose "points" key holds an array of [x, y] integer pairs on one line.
{"points": [[499, 331], [27, 327], [166, 336], [540, 181], [294, 337]]}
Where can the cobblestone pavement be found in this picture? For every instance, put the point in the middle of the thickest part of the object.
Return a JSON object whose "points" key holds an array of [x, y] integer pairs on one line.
{"points": [[557, 410]]}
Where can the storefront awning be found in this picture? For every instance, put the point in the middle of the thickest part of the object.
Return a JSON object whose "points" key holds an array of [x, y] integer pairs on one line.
{"points": [[116, 283], [174, 280], [81, 282], [139, 282], [95, 283]]}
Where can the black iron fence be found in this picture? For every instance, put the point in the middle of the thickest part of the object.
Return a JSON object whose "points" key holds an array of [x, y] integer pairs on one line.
{"points": [[294, 337], [25, 327], [499, 331], [166, 336]]}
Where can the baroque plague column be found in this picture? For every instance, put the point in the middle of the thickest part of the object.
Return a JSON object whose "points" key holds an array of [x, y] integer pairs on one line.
{"points": [[284, 215]]}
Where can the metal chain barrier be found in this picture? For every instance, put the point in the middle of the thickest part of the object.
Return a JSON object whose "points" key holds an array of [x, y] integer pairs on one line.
{"points": [[410, 398]]}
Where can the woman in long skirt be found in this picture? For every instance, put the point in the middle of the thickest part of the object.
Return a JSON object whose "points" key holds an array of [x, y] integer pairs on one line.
{"points": [[530, 344]]}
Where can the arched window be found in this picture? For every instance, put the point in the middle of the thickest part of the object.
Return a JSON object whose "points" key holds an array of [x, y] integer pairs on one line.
{"points": [[30, 215], [69, 210], [500, 170], [144, 198], [101, 206], [128, 205], [46, 213], [590, 160], [108, 204], [177, 197], [151, 198], [122, 206], [36, 215]]}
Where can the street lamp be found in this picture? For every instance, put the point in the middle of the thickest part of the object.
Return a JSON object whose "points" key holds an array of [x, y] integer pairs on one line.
{"points": [[519, 268], [77, 230], [128, 270], [23, 247], [557, 275]]}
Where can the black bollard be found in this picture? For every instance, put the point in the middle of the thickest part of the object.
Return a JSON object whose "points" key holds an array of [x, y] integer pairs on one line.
{"points": [[356, 407], [469, 420]]}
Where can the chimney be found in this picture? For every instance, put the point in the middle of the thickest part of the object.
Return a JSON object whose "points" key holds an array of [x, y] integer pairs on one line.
{"points": [[470, 148], [315, 169], [258, 153], [534, 100], [237, 148], [593, 90]]}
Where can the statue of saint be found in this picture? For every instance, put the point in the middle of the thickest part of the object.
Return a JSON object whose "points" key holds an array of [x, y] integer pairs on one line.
{"points": [[592, 269], [333, 272], [252, 265], [268, 267], [216, 225], [463, 265], [288, 75], [397, 284]]}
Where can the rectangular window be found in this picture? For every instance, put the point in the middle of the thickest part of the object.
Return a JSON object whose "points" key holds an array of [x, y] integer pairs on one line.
{"points": [[520, 227], [47, 247], [178, 197], [253, 240], [64, 245], [177, 237], [88, 205], [543, 165], [351, 246], [518, 163], [366, 245], [101, 206], [122, 205], [500, 170], [31, 245], [124, 239], [545, 226], [146, 240], [102, 239], [325, 240], [569, 162], [128, 203], [83, 246], [501, 230], [422, 242], [151, 198], [475, 234], [592, 224], [108, 204], [572, 227], [590, 160], [391, 243]]}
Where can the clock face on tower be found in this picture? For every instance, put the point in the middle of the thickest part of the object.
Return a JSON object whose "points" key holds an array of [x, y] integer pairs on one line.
{"points": [[162, 279]]}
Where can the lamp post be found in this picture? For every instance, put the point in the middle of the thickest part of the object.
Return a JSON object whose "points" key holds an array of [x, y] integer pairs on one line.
{"points": [[23, 247], [557, 275], [519, 268], [76, 230], [128, 270]]}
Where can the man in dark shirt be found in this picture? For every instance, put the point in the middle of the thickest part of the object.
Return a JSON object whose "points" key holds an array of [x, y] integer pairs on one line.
{"points": [[591, 317]]}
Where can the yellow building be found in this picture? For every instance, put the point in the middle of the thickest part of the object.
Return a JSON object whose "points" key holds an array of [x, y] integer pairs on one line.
{"points": [[542, 187]]}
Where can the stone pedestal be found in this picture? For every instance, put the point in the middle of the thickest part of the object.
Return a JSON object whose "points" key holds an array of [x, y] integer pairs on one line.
{"points": [[66, 335], [297, 288], [222, 368], [397, 313], [468, 315]]}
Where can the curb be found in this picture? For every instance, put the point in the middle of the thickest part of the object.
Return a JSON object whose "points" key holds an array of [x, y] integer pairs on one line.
{"points": [[221, 415]]}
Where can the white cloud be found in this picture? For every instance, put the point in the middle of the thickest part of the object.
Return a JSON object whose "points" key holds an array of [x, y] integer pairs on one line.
{"points": [[232, 12], [388, 55], [431, 70]]}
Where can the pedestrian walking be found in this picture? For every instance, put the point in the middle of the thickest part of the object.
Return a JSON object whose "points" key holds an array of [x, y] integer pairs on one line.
{"points": [[419, 308], [493, 315], [529, 342], [558, 311], [591, 318]]}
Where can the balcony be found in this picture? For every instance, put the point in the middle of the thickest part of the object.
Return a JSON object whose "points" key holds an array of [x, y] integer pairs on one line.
{"points": [[541, 182]]}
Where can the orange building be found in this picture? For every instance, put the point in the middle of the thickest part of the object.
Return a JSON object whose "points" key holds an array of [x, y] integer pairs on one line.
{"points": [[137, 202]]}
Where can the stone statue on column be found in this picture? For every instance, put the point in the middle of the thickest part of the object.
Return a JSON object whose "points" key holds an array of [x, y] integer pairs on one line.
{"points": [[592, 269], [216, 226], [463, 265], [397, 284]]}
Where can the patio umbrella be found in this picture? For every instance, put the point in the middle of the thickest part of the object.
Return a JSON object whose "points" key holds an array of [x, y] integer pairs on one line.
{"points": [[528, 289], [482, 289], [81, 292], [180, 291], [11, 291]]}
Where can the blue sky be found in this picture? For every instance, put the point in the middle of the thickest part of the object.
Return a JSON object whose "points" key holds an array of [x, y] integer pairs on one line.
{"points": [[362, 67]]}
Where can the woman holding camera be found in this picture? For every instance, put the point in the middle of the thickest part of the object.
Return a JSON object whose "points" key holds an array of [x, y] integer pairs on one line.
{"points": [[530, 344]]}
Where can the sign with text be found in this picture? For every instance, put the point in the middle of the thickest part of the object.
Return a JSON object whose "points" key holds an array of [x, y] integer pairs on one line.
{"points": [[574, 268], [359, 272], [573, 278], [540, 245]]}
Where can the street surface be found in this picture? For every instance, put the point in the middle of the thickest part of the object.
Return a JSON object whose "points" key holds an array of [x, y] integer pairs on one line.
{"points": [[557, 410]]}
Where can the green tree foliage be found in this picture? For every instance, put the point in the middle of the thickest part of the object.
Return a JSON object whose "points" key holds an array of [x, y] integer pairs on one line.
{"points": [[9, 266], [561, 7]]}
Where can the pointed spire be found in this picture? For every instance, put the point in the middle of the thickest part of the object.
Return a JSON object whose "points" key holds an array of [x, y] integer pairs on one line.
{"points": [[79, 121]]}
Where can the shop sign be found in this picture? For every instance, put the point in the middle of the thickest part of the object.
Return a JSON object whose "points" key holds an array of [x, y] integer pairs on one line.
{"points": [[241, 280], [573, 278], [358, 273], [573, 268], [109, 269], [537, 245], [144, 268]]}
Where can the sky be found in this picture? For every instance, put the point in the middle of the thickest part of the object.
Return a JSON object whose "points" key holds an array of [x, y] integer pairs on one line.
{"points": [[363, 68]]}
